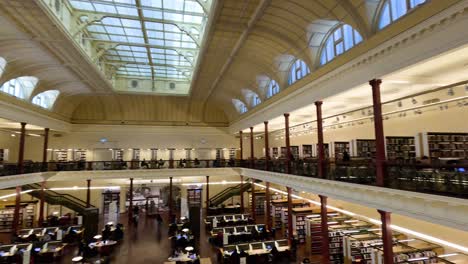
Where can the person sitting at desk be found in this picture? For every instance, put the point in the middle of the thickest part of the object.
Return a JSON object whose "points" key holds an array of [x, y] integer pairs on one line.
{"points": [[118, 233], [160, 163], [144, 164], [106, 233]]}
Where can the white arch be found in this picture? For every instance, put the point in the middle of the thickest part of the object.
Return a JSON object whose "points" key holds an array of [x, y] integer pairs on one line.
{"points": [[20, 87], [46, 99], [251, 97]]}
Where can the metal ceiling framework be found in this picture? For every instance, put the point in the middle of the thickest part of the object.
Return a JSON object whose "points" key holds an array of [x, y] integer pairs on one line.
{"points": [[149, 39]]}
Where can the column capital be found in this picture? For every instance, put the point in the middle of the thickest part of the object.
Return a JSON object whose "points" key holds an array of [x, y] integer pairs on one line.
{"points": [[251, 129], [375, 82], [265, 122], [23, 124], [286, 114], [240, 132], [318, 103]]}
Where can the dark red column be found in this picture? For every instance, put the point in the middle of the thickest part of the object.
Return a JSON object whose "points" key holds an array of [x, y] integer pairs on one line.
{"points": [[21, 149], [170, 199], [41, 204], [380, 159], [207, 192], [324, 226], [252, 209], [44, 149], [288, 146], [267, 148], [242, 194], [15, 222], [240, 146], [268, 206], [130, 198], [290, 223], [88, 194], [386, 236], [251, 148], [320, 149]]}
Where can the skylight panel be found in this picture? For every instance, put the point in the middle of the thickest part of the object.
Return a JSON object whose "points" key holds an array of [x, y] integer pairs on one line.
{"points": [[151, 3], [174, 4], [127, 11], [83, 5], [105, 8]]}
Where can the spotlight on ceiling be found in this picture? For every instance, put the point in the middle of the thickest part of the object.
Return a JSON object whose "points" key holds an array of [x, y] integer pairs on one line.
{"points": [[400, 104], [414, 101], [450, 92]]}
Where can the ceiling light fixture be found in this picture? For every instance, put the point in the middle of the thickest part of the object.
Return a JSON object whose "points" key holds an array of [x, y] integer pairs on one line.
{"points": [[414, 101], [400, 104], [450, 92]]}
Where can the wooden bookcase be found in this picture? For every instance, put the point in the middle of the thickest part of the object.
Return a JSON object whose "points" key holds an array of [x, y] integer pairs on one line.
{"points": [[363, 148], [338, 148], [401, 148], [443, 145]]}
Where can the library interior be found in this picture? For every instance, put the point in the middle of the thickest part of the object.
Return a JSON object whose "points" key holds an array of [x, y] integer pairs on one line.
{"points": [[234, 131]]}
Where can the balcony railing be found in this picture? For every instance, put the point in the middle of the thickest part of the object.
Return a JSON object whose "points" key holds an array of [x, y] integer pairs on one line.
{"points": [[447, 180]]}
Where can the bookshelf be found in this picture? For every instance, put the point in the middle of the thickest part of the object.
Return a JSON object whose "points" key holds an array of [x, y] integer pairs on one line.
{"points": [[338, 148], [274, 152], [363, 148], [299, 218], [401, 148], [26, 217], [4, 155], [60, 155], [294, 152], [79, 155], [232, 153], [444, 145], [259, 202], [109, 197], [154, 154], [117, 154], [135, 154], [306, 151]]}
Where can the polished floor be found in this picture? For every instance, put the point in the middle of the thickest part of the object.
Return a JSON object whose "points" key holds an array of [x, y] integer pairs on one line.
{"points": [[149, 243]]}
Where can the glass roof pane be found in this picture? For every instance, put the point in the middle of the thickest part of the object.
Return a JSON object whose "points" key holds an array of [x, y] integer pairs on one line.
{"points": [[164, 50]]}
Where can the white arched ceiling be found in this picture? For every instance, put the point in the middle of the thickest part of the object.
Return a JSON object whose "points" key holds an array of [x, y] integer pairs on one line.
{"points": [[248, 96], [239, 106]]}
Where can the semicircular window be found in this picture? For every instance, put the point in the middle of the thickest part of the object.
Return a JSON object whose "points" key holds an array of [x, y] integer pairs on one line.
{"points": [[46, 99], [298, 70], [273, 88], [20, 87], [341, 39], [393, 10]]}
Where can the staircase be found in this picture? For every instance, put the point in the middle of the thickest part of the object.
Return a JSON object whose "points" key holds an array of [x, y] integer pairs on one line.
{"points": [[90, 215], [228, 193]]}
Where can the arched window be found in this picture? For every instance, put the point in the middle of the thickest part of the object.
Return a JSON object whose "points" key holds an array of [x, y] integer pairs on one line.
{"points": [[341, 39], [20, 87], [298, 70], [394, 9], [46, 99], [273, 88], [239, 105], [256, 100], [2, 65]]}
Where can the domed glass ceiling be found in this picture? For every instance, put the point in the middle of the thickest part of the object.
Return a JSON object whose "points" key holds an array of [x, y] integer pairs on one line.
{"points": [[156, 40]]}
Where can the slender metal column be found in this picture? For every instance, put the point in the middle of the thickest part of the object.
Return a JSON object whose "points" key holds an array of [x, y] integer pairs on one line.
{"points": [[251, 148], [21, 149], [380, 159], [320, 149], [324, 227], [267, 148], [88, 193], [290, 227], [288, 146], [41, 204], [130, 205], [207, 192], [386, 236], [268, 206], [242, 194]]}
